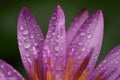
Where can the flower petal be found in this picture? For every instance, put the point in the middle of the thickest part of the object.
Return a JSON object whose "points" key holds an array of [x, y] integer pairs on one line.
{"points": [[75, 25], [30, 39], [7, 72], [109, 68], [87, 42], [55, 44]]}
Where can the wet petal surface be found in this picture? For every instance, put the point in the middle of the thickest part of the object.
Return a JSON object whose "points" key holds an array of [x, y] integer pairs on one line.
{"points": [[109, 68], [30, 39], [8, 73], [55, 45], [75, 25], [87, 41]]}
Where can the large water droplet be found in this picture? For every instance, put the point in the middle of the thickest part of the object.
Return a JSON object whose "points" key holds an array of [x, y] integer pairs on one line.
{"points": [[9, 73], [53, 33], [21, 27], [35, 44], [80, 43], [89, 36], [53, 18], [82, 33], [83, 49], [56, 48], [27, 45], [19, 42], [25, 32]]}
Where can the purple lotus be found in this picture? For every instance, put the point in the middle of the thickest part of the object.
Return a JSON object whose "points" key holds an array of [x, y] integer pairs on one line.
{"points": [[63, 55]]}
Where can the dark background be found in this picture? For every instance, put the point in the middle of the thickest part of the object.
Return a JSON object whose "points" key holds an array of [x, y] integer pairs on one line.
{"points": [[42, 10]]}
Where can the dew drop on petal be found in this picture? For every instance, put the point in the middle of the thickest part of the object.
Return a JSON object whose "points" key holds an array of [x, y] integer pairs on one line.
{"points": [[35, 44], [89, 36], [83, 49], [80, 43], [27, 45], [56, 48], [31, 36], [9, 73], [21, 27], [25, 32], [82, 33]]}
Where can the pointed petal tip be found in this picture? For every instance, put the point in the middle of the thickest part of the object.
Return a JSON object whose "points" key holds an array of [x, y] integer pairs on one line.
{"points": [[25, 12], [59, 9], [58, 6], [57, 17], [99, 13], [25, 9]]}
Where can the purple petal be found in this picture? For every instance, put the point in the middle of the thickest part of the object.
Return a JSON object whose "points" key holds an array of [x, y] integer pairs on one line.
{"points": [[87, 41], [109, 68], [30, 38], [7, 72], [55, 44], [75, 25]]}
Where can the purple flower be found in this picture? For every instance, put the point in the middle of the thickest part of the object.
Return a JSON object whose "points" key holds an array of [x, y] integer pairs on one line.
{"points": [[63, 55]]}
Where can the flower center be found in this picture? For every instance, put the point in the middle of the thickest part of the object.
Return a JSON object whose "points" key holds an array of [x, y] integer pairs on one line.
{"points": [[35, 71], [81, 73]]}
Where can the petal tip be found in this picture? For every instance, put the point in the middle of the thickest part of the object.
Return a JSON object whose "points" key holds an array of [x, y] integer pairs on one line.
{"points": [[25, 12], [99, 12], [24, 9], [59, 9]]}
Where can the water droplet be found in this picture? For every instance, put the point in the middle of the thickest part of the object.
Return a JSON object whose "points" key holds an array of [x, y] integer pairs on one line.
{"points": [[31, 36], [82, 33], [56, 23], [83, 49], [27, 45], [34, 26], [21, 27], [53, 33], [56, 48], [19, 42], [9, 73], [89, 36], [79, 57], [25, 32], [38, 34], [76, 24], [27, 54], [27, 18], [2, 66], [80, 43], [53, 18], [35, 44]]}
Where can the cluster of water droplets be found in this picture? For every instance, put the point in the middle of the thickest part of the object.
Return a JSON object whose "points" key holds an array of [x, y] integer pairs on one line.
{"points": [[30, 39], [8, 73], [54, 45]]}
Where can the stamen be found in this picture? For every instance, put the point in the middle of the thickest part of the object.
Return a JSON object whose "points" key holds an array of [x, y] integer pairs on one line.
{"points": [[83, 65], [48, 73], [83, 75], [81, 68], [68, 70], [35, 71], [99, 77]]}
